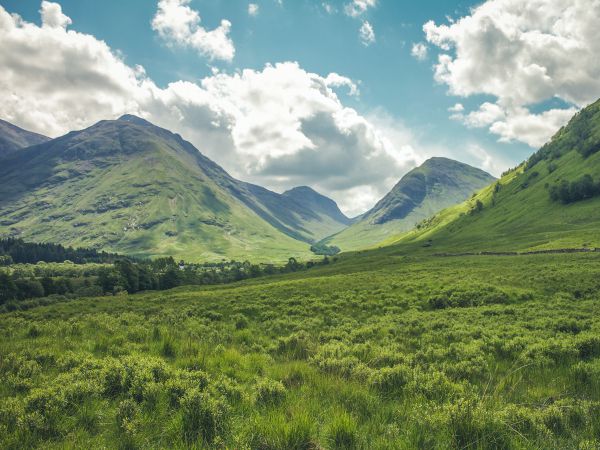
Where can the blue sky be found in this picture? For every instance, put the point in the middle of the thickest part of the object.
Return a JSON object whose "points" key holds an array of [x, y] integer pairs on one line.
{"points": [[397, 89]]}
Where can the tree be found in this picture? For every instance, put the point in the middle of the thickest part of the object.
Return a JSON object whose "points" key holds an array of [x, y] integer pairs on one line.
{"points": [[8, 289], [29, 288], [129, 274]]}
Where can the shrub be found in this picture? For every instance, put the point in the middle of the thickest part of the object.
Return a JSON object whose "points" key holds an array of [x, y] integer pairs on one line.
{"points": [[295, 346], [203, 417], [241, 321], [390, 381], [126, 413], [269, 392]]}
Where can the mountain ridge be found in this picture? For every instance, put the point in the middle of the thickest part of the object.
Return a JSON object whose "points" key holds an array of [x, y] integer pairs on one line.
{"points": [[436, 184], [14, 138], [525, 210], [58, 189]]}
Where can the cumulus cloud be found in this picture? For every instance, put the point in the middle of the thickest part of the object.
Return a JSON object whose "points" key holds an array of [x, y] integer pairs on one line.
{"points": [[366, 34], [253, 9], [357, 8], [335, 80], [178, 24], [419, 51], [52, 16], [523, 53], [279, 126]]}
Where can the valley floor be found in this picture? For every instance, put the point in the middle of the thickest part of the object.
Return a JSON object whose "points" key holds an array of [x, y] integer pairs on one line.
{"points": [[379, 350]]}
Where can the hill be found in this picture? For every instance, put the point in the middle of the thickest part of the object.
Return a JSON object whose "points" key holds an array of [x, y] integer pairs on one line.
{"points": [[422, 192], [550, 201], [13, 138], [131, 187]]}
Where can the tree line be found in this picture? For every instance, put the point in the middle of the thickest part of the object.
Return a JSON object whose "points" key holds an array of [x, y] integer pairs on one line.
{"points": [[17, 251], [130, 276]]}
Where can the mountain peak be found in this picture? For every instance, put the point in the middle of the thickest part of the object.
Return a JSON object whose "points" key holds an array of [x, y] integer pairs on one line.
{"points": [[308, 197], [301, 190], [131, 118]]}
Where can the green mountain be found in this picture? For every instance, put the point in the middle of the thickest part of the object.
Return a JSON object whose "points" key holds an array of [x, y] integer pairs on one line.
{"points": [[13, 138], [131, 187], [550, 201], [422, 192]]}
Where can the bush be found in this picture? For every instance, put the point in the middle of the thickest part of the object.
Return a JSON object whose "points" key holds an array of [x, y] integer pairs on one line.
{"points": [[295, 346], [390, 381], [269, 392], [126, 413], [203, 417]]}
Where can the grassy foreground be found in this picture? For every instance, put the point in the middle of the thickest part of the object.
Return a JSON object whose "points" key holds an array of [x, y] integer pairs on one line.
{"points": [[379, 350]]}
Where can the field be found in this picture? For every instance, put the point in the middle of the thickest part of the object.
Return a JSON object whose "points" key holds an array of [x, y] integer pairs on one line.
{"points": [[377, 350]]}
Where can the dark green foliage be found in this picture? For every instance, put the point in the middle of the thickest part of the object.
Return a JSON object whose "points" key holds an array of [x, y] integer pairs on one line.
{"points": [[322, 249], [21, 252], [569, 192]]}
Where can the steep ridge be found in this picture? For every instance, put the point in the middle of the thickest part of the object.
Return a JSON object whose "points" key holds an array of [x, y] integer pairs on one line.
{"points": [[129, 186], [551, 201], [422, 192]]}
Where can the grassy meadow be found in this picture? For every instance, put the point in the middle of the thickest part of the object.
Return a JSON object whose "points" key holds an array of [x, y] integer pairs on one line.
{"points": [[379, 350]]}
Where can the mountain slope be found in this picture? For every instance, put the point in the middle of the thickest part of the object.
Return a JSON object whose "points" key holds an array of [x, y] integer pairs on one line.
{"points": [[13, 138], [518, 212], [425, 190], [132, 187]]}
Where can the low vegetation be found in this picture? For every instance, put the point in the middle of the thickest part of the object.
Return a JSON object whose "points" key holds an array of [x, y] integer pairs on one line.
{"points": [[379, 350]]}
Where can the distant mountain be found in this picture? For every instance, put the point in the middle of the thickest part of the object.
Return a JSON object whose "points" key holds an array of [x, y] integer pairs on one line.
{"points": [[129, 186], [551, 201], [326, 208], [13, 138], [422, 192]]}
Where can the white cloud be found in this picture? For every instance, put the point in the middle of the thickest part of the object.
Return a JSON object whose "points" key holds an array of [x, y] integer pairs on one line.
{"points": [[419, 51], [253, 9], [335, 80], [457, 108], [279, 127], [357, 8], [52, 16], [486, 160], [178, 24], [523, 53], [366, 34]]}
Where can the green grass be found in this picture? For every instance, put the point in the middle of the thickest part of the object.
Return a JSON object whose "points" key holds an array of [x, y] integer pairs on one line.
{"points": [[379, 350]]}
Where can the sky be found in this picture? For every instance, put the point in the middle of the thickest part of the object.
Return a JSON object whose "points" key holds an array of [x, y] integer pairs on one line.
{"points": [[344, 96]]}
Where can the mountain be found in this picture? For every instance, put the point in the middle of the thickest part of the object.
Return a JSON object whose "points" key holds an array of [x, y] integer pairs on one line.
{"points": [[13, 138], [327, 209], [422, 192], [129, 186], [551, 201]]}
